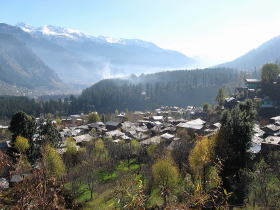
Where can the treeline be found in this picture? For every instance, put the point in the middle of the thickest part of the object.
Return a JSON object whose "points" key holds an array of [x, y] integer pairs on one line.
{"points": [[11, 104], [172, 88]]}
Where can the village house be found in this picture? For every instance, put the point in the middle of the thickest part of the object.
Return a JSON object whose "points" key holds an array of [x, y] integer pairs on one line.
{"points": [[146, 123], [77, 119], [253, 83], [82, 138], [135, 131], [98, 126], [70, 132], [116, 134], [193, 126], [271, 130], [5, 145], [170, 129], [230, 102], [275, 120], [121, 116], [157, 118], [110, 125], [270, 143], [66, 122], [152, 140], [4, 127], [167, 137], [176, 122]]}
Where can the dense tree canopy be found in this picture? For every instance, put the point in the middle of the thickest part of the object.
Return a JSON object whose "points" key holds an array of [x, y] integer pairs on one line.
{"points": [[22, 125], [234, 140], [48, 134], [270, 73]]}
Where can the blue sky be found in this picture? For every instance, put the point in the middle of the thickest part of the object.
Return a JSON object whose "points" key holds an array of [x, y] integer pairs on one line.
{"points": [[219, 30]]}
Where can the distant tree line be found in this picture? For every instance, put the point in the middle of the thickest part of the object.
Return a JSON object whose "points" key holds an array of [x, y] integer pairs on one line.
{"points": [[11, 104]]}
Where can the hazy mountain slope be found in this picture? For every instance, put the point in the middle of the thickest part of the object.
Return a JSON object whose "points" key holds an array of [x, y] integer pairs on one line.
{"points": [[21, 67], [67, 65], [80, 58], [266, 53]]}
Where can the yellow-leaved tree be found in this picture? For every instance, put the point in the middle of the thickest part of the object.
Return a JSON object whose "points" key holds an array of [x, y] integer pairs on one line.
{"points": [[53, 162], [21, 144], [165, 176], [201, 156]]}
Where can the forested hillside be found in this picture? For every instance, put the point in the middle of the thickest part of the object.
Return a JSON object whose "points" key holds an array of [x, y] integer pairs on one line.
{"points": [[178, 88]]}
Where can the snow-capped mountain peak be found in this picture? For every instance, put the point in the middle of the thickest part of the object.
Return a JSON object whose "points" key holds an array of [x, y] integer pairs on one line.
{"points": [[50, 31], [56, 31], [109, 39], [25, 27]]}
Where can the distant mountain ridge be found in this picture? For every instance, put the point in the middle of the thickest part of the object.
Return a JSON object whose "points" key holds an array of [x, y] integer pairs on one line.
{"points": [[268, 52], [80, 58]]}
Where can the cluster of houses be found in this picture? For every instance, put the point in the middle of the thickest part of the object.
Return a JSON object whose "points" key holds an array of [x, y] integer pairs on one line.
{"points": [[160, 125], [267, 137], [250, 91]]}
